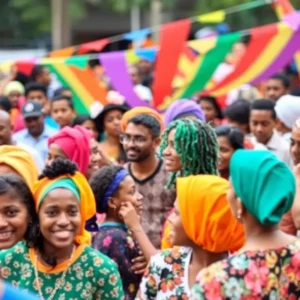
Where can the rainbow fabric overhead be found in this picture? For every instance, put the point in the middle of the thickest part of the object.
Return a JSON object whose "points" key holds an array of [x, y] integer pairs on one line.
{"points": [[193, 65]]}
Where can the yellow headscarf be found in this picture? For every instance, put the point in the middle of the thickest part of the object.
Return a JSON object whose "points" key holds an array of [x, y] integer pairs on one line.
{"points": [[87, 201], [206, 215], [21, 161], [14, 86]]}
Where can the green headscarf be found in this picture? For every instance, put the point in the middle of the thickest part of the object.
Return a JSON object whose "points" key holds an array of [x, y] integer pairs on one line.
{"points": [[265, 184], [66, 183]]}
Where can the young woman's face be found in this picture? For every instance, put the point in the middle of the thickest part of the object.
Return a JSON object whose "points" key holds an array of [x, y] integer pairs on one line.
{"points": [[14, 98], [59, 218], [91, 127], [128, 192], [14, 218], [112, 122], [171, 158], [178, 235], [95, 159], [54, 151], [209, 110], [225, 152]]}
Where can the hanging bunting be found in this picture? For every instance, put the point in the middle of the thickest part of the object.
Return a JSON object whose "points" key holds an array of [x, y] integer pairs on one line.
{"points": [[137, 35], [213, 17], [168, 57], [65, 52], [116, 68], [93, 46]]}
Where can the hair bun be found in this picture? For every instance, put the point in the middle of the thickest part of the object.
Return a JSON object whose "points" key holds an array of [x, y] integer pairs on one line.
{"points": [[58, 168]]}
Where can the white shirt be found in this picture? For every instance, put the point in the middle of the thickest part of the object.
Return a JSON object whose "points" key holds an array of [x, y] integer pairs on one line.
{"points": [[279, 146], [35, 155]]}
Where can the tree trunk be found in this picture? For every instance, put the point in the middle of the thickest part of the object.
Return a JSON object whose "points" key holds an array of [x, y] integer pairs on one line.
{"points": [[61, 34]]}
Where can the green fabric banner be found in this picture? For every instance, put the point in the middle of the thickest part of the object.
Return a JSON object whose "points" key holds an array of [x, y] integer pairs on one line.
{"points": [[210, 62]]}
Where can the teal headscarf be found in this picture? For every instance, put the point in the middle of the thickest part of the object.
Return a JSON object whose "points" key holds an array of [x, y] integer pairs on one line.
{"points": [[265, 184], [66, 183]]}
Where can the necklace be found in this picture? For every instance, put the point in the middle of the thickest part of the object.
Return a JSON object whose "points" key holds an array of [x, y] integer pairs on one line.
{"points": [[58, 284]]}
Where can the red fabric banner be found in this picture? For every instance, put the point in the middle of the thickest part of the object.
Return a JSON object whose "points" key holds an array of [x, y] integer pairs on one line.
{"points": [[260, 38], [97, 45], [172, 39]]}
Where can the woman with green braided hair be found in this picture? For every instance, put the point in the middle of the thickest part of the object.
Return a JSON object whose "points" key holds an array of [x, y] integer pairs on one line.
{"points": [[189, 147]]}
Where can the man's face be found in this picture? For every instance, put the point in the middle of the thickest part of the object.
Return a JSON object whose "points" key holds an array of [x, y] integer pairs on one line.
{"points": [[45, 77], [35, 125], [295, 146], [275, 89], [5, 132], [138, 142], [262, 125], [38, 96]]}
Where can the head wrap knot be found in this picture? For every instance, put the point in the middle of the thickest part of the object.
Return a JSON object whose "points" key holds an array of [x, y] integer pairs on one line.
{"points": [[265, 184], [206, 215]]}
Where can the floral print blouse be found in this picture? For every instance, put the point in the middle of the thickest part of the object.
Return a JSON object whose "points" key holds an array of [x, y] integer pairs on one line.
{"points": [[252, 275], [167, 276], [113, 240], [92, 276]]}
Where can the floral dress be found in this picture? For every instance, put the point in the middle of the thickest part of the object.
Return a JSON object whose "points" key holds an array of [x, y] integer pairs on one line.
{"points": [[167, 276], [113, 240], [90, 276], [252, 275]]}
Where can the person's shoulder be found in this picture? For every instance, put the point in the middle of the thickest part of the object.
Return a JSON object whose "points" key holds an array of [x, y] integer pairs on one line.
{"points": [[171, 254], [20, 134], [113, 233], [50, 130], [20, 249]]}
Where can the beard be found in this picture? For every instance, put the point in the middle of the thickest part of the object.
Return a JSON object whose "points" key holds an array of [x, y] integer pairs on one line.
{"points": [[134, 155]]}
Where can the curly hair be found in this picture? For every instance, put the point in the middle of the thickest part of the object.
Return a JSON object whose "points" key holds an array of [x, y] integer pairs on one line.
{"points": [[15, 185], [100, 181], [58, 168], [196, 144]]}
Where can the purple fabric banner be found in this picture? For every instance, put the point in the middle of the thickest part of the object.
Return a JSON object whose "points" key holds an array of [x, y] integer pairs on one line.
{"points": [[285, 57], [117, 70]]}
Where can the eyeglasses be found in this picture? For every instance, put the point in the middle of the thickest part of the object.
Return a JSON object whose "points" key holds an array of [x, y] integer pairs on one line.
{"points": [[136, 140]]}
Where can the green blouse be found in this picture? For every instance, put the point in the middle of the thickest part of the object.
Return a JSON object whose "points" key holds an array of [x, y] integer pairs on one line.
{"points": [[91, 275]]}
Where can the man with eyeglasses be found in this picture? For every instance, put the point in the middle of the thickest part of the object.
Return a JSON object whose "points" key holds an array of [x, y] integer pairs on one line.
{"points": [[140, 140]]}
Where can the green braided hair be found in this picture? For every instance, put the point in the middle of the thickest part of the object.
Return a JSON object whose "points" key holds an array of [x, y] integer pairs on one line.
{"points": [[196, 144]]}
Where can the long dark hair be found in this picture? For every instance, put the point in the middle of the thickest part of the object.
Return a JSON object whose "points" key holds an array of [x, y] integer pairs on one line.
{"points": [[11, 183]]}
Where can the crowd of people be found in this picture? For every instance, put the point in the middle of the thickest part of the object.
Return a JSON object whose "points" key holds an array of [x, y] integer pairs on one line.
{"points": [[198, 202]]}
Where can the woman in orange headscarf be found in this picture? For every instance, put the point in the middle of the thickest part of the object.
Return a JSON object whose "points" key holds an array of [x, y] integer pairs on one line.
{"points": [[59, 261], [205, 230]]}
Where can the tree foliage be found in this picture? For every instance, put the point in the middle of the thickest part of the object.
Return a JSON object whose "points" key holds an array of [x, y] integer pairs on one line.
{"points": [[28, 19]]}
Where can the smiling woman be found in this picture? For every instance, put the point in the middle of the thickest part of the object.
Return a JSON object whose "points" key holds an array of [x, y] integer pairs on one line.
{"points": [[60, 265], [16, 211]]}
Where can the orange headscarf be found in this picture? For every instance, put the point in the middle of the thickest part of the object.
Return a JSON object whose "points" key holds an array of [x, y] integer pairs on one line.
{"points": [[87, 201], [21, 161], [206, 215], [142, 111]]}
